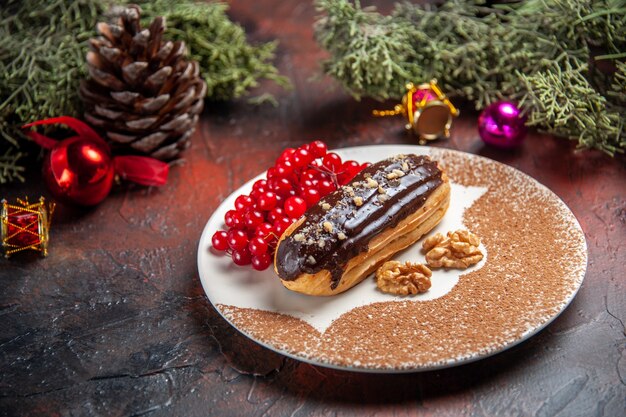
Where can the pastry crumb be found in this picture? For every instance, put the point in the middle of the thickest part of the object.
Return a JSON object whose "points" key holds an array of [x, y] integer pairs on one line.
{"points": [[371, 183]]}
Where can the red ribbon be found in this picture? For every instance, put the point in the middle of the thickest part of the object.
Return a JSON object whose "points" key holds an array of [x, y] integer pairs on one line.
{"points": [[139, 169]]}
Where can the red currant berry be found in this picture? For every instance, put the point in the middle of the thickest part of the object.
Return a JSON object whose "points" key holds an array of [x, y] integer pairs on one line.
{"points": [[321, 176], [351, 168], [308, 184], [280, 225], [284, 169], [243, 203], [332, 162], [365, 165], [275, 214], [241, 257], [254, 195], [260, 185], [318, 149], [309, 174], [237, 239], [343, 179], [311, 196], [301, 158], [220, 240], [266, 232], [280, 186], [271, 173], [325, 187], [253, 218], [285, 155], [257, 246], [272, 241], [233, 219], [279, 161], [263, 230], [295, 207], [266, 201], [262, 262]]}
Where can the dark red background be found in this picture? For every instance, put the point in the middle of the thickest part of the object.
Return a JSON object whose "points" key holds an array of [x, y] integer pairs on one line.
{"points": [[114, 322]]}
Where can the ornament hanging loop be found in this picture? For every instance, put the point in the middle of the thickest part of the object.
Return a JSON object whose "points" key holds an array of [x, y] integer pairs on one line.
{"points": [[398, 109], [427, 110]]}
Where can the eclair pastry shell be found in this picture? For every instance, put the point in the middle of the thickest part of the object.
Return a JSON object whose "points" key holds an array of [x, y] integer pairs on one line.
{"points": [[380, 248]]}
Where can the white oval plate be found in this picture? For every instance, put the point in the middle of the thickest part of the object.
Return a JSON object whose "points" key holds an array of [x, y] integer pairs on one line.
{"points": [[250, 300]]}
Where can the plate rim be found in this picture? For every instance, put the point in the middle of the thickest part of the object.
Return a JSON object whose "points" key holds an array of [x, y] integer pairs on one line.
{"points": [[204, 246]]}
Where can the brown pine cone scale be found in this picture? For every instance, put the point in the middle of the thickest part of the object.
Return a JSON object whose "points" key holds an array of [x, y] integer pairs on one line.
{"points": [[141, 91]]}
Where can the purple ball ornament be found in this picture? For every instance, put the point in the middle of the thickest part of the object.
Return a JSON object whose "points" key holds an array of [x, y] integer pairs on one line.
{"points": [[501, 124]]}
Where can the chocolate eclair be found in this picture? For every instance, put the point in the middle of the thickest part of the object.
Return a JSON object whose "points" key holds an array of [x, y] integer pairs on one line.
{"points": [[350, 232]]}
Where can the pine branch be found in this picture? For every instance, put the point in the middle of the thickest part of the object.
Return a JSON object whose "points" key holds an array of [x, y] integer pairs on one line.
{"points": [[44, 42], [565, 104], [230, 65], [10, 170], [618, 88], [564, 59], [41, 57], [375, 51]]}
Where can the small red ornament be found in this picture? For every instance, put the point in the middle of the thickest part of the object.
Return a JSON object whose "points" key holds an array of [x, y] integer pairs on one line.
{"points": [[81, 170], [25, 226]]}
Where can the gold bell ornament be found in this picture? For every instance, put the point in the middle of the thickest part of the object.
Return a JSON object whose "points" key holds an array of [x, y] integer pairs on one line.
{"points": [[427, 110]]}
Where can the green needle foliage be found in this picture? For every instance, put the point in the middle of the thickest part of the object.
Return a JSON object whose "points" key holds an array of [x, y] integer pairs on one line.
{"points": [[563, 60], [10, 169], [41, 61], [44, 43], [228, 63]]}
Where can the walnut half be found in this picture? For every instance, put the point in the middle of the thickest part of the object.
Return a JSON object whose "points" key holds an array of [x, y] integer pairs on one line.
{"points": [[458, 250], [403, 279]]}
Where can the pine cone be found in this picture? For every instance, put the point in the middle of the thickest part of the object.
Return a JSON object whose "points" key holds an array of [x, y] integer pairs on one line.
{"points": [[142, 92]]}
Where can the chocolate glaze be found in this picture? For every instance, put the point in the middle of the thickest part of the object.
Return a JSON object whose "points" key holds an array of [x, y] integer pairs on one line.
{"points": [[312, 247]]}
